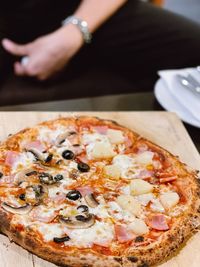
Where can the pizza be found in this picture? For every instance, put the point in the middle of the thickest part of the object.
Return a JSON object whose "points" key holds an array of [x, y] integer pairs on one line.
{"points": [[82, 191]]}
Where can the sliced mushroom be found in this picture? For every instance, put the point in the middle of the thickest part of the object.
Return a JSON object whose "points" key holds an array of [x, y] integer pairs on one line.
{"points": [[17, 210], [23, 175], [37, 154], [91, 200], [35, 194], [79, 221], [61, 239], [62, 137], [40, 156], [46, 178]]}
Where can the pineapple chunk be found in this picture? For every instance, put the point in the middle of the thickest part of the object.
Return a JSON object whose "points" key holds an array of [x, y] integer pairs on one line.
{"points": [[115, 136], [102, 150], [145, 158], [128, 203], [112, 171], [139, 227], [169, 199], [139, 187]]}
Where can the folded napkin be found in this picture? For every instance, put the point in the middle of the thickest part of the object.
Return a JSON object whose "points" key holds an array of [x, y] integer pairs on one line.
{"points": [[188, 100]]}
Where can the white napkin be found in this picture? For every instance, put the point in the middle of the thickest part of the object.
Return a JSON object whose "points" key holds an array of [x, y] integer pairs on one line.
{"points": [[184, 96]]}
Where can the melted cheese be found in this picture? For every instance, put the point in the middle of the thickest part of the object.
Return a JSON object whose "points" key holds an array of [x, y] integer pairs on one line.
{"points": [[48, 135], [145, 198], [157, 206], [100, 233], [25, 159], [49, 231]]}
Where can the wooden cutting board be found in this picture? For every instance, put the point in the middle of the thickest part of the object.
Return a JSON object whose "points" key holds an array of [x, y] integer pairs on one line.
{"points": [[163, 128]]}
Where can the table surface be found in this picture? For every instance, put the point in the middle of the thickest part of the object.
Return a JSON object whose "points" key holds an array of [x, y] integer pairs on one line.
{"points": [[130, 102]]}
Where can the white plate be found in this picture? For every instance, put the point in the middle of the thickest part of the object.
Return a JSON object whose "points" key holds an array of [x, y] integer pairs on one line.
{"points": [[168, 102]]}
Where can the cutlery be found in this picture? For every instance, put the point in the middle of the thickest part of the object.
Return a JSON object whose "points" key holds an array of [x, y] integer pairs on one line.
{"points": [[189, 82]]}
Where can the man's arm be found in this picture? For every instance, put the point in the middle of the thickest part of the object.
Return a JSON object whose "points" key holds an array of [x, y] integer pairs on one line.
{"points": [[49, 54]]}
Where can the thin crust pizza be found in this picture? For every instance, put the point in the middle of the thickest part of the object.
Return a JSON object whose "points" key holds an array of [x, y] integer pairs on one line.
{"points": [[88, 192]]}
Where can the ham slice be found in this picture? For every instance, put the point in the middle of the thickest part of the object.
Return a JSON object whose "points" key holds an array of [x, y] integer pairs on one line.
{"points": [[123, 235], [36, 145], [42, 215], [158, 222], [85, 190], [100, 129], [11, 158]]}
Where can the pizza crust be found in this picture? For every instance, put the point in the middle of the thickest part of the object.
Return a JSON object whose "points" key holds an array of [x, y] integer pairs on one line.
{"points": [[141, 257]]}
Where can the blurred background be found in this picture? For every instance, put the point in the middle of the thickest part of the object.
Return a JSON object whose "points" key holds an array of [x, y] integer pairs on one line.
{"points": [[188, 8]]}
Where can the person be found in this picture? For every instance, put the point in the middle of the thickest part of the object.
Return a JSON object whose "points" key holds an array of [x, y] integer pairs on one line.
{"points": [[131, 40]]}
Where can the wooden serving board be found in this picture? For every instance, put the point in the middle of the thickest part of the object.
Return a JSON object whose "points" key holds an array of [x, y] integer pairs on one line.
{"points": [[163, 128]]}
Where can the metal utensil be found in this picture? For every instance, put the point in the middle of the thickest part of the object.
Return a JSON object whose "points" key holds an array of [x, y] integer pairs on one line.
{"points": [[189, 83]]}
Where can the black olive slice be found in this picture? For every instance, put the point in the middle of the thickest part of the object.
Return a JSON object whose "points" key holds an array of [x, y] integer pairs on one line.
{"points": [[58, 177], [22, 197], [73, 195], [83, 208], [81, 218], [31, 173], [49, 158], [139, 239], [61, 239], [1, 174], [68, 154], [83, 167], [46, 178]]}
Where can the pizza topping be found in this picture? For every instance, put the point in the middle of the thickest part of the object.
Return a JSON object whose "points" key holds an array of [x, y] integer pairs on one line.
{"points": [[139, 187], [42, 214], [91, 200], [158, 222], [11, 158], [129, 204], [31, 173], [100, 233], [145, 158], [100, 150], [79, 221], [169, 199], [1, 175], [23, 175], [84, 190], [123, 235], [139, 239], [83, 167], [139, 227], [24, 209], [100, 129], [73, 195], [112, 171], [49, 158], [156, 205], [61, 239], [35, 194], [144, 199], [46, 178], [22, 197], [67, 154], [83, 208], [115, 136], [37, 145], [63, 137]]}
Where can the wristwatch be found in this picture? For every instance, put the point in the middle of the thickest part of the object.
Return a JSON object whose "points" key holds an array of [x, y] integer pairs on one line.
{"points": [[82, 26]]}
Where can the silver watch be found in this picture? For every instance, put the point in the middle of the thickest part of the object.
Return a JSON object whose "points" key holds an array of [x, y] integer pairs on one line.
{"points": [[82, 25]]}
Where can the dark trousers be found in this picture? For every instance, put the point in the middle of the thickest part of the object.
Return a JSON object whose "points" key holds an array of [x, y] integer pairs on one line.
{"points": [[125, 55]]}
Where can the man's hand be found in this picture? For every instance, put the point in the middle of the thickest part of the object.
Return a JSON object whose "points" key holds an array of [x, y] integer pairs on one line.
{"points": [[48, 54]]}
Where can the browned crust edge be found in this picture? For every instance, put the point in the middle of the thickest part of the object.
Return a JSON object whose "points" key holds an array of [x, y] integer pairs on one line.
{"points": [[133, 257]]}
